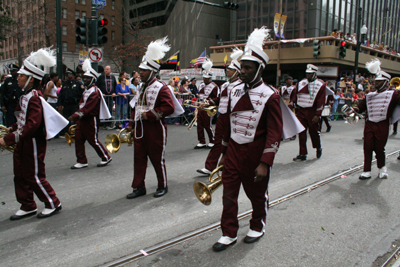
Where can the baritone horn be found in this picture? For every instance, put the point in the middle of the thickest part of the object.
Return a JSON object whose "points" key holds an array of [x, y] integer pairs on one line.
{"points": [[396, 82], [3, 132], [70, 136], [204, 191], [211, 110], [353, 117], [113, 141]]}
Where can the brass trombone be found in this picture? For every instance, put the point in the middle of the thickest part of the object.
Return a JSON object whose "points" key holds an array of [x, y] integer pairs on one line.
{"points": [[3, 132], [203, 191], [211, 110], [113, 141], [70, 136]]}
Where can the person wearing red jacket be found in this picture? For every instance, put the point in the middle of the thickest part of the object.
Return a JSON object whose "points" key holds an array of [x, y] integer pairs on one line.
{"points": [[309, 99], [92, 108], [147, 123], [29, 134], [208, 93]]}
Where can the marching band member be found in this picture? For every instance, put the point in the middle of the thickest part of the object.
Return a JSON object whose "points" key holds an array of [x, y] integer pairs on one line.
{"points": [[287, 89], [379, 106], [232, 72], [29, 134], [309, 99], [92, 108], [209, 91], [154, 103], [252, 133]]}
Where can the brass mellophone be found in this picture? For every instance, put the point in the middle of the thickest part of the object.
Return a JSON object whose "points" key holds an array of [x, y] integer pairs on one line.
{"points": [[3, 132], [70, 136], [113, 141], [203, 191], [352, 117]]}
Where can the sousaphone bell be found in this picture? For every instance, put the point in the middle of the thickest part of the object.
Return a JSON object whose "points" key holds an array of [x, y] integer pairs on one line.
{"points": [[204, 191], [113, 141], [70, 136]]}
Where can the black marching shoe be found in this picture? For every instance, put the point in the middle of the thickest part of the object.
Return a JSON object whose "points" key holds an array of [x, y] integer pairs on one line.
{"points": [[394, 133], [49, 212], [319, 152], [300, 158], [160, 192], [22, 214], [398, 157], [217, 247], [329, 128], [249, 239], [137, 192]]}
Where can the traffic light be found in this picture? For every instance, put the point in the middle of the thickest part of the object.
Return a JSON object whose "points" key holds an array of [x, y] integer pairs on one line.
{"points": [[80, 31], [230, 5], [316, 48], [342, 49], [102, 31]]}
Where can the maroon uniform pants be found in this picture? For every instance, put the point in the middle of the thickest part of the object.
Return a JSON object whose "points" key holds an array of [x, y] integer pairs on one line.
{"points": [[239, 166], [30, 175], [375, 138], [215, 153], [151, 145], [204, 123], [88, 130], [305, 116]]}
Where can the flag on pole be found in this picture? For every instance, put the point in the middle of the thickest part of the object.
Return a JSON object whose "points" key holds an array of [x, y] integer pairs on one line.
{"points": [[192, 62], [201, 59], [177, 65], [173, 59], [225, 59]]}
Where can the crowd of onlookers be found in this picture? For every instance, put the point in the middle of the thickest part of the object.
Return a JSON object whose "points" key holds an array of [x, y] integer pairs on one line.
{"points": [[353, 39]]}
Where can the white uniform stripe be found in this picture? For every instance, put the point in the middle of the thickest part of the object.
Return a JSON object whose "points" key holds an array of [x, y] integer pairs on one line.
{"points": [[35, 159], [266, 203], [96, 141], [211, 128], [164, 171]]}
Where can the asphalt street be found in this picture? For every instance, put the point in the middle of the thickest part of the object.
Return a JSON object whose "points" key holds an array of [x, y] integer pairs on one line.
{"points": [[345, 223]]}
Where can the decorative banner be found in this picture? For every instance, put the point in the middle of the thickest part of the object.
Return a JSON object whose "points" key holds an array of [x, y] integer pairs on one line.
{"points": [[328, 71], [82, 56], [276, 24], [283, 20]]}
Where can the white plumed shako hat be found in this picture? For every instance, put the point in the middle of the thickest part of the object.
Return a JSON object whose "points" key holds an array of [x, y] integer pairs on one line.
{"points": [[207, 73], [254, 47], [43, 57], [374, 67], [89, 71], [155, 51], [235, 55], [311, 68]]}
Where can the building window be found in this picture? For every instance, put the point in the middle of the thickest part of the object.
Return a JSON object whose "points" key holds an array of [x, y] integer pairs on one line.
{"points": [[112, 35], [77, 48], [64, 46], [83, 14], [64, 30], [64, 13], [112, 20], [112, 4], [83, 2], [76, 1], [76, 14]]}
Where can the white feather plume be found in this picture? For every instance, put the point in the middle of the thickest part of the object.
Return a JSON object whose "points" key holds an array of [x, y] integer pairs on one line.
{"points": [[258, 36], [208, 65], [374, 66], [157, 49], [236, 53], [86, 65], [43, 57]]}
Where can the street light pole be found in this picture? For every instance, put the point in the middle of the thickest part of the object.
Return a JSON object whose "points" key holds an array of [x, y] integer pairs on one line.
{"points": [[358, 44], [59, 39]]}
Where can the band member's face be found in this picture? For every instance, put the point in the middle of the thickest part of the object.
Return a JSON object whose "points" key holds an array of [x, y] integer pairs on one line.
{"points": [[144, 74], [206, 80], [379, 83], [310, 76], [87, 80], [22, 78], [248, 70], [289, 82], [230, 72]]}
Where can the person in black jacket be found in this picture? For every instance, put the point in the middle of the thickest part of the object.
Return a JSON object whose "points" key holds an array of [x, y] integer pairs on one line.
{"points": [[107, 84], [10, 94], [70, 94], [193, 87]]}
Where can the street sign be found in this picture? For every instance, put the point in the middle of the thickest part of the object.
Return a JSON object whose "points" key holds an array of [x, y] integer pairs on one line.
{"points": [[99, 2], [99, 7], [96, 54]]}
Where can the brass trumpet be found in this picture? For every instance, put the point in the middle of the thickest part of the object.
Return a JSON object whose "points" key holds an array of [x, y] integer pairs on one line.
{"points": [[353, 117], [113, 141], [3, 132], [396, 82], [203, 191], [211, 110], [70, 136]]}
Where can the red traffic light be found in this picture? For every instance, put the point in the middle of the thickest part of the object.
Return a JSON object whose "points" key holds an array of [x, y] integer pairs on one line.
{"points": [[342, 43], [103, 22]]}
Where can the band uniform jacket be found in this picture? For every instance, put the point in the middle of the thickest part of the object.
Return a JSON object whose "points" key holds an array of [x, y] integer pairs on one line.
{"points": [[89, 105], [209, 92]]}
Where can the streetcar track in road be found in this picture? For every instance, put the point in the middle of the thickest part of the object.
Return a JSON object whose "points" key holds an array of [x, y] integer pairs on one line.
{"points": [[203, 230]]}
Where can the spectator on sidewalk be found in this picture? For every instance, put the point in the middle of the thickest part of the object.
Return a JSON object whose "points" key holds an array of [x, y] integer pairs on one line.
{"points": [[107, 83]]}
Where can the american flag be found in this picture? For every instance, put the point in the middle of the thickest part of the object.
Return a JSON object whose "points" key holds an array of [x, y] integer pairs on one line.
{"points": [[201, 59]]}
